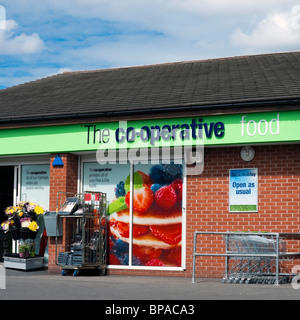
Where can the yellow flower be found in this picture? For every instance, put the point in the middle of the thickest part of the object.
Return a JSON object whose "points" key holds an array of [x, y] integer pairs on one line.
{"points": [[33, 226], [21, 204], [38, 210]]}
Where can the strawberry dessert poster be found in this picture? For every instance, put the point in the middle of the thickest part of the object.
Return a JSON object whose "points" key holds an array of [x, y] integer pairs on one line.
{"points": [[156, 234]]}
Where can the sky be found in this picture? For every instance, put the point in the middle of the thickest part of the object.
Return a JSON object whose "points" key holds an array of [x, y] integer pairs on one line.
{"points": [[42, 38]]}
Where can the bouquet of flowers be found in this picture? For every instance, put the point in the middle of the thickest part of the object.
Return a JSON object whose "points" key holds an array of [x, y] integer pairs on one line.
{"points": [[13, 211], [27, 224], [31, 209], [11, 225], [21, 220], [8, 225], [5, 226]]}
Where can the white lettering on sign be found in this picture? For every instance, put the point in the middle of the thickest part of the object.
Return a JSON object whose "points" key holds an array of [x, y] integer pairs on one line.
{"points": [[262, 127]]}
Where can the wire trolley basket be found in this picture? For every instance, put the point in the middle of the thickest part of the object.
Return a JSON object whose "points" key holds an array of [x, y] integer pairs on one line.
{"points": [[259, 263]]}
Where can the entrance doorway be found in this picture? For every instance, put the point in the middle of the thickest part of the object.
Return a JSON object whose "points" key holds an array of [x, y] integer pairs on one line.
{"points": [[6, 199]]}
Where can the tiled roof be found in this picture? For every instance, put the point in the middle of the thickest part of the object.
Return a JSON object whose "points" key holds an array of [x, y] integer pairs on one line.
{"points": [[204, 83]]}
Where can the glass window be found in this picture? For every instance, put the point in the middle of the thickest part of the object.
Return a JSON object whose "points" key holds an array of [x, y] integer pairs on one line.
{"points": [[111, 179], [35, 187], [150, 233], [35, 184]]}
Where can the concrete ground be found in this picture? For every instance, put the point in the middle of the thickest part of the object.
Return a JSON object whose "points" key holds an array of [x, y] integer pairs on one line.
{"points": [[39, 285]]}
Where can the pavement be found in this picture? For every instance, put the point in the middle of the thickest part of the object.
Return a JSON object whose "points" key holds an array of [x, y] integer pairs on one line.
{"points": [[39, 285]]}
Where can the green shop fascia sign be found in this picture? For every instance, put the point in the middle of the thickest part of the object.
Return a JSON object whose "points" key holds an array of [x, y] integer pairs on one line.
{"points": [[273, 127]]}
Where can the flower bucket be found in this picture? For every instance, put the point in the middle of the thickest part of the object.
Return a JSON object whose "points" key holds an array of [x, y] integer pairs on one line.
{"points": [[24, 234], [15, 233], [32, 235]]}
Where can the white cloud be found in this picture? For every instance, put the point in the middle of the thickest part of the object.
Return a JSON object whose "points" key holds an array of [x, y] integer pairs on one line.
{"points": [[95, 34], [125, 8], [12, 44], [132, 51], [232, 7], [194, 20], [277, 30]]}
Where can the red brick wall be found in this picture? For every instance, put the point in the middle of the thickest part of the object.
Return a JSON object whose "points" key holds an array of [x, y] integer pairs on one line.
{"points": [[208, 198], [62, 179]]}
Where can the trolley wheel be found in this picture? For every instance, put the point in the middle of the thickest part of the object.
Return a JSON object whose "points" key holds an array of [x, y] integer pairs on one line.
{"points": [[102, 272], [76, 273], [63, 273]]}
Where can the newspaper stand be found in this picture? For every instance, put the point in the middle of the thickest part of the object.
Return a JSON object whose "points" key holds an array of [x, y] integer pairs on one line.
{"points": [[86, 242]]}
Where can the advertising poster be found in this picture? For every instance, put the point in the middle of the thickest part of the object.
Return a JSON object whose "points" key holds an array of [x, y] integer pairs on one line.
{"points": [[243, 190], [156, 236]]}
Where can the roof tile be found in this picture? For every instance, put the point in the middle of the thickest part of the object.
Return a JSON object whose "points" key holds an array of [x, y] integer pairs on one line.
{"points": [[195, 83]]}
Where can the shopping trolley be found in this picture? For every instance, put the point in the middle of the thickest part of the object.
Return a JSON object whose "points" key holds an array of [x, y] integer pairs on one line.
{"points": [[257, 263], [250, 257]]}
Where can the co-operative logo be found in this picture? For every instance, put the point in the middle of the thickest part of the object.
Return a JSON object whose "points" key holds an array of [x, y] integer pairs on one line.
{"points": [[154, 142], [2, 18]]}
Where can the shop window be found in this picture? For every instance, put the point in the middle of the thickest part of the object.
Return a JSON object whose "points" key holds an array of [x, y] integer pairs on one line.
{"points": [[35, 184], [110, 179], [35, 187], [144, 209]]}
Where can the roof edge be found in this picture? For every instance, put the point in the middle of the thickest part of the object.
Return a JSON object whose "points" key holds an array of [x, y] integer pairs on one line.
{"points": [[175, 109]]}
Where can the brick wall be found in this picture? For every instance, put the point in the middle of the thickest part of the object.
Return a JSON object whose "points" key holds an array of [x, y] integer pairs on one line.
{"points": [[62, 179], [208, 198]]}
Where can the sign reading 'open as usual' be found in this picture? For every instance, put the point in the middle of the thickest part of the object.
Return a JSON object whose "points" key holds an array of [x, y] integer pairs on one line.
{"points": [[243, 190]]}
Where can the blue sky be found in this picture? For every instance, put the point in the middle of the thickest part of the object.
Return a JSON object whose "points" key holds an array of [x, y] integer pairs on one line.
{"points": [[42, 38]]}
